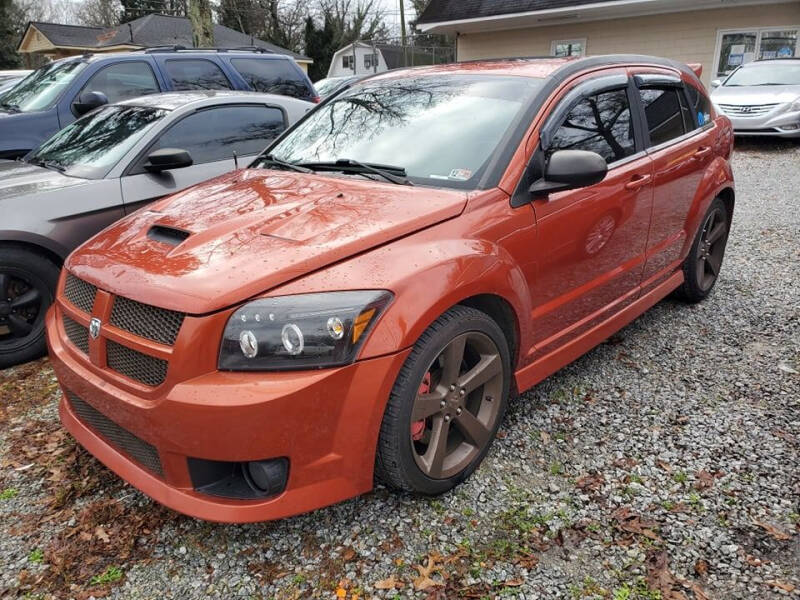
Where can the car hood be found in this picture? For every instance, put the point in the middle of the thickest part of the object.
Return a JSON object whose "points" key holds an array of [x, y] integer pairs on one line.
{"points": [[21, 179], [750, 95], [250, 231]]}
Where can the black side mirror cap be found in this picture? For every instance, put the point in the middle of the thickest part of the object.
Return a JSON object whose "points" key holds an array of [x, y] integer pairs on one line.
{"points": [[88, 101], [167, 159], [570, 169]]}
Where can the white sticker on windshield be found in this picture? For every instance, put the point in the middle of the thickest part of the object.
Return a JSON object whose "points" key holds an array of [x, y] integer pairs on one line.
{"points": [[460, 174]]}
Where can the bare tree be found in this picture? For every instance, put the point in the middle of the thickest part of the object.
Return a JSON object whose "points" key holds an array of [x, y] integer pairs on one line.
{"points": [[99, 13]]}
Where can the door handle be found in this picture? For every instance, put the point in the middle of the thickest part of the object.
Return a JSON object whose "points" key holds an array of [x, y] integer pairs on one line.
{"points": [[702, 152], [638, 182]]}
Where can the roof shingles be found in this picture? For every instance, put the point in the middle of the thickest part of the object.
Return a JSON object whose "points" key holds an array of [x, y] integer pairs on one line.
{"points": [[456, 10]]}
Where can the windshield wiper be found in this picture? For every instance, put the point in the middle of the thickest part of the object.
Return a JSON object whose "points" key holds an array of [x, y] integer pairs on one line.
{"points": [[48, 164], [282, 163], [12, 108], [396, 175]]}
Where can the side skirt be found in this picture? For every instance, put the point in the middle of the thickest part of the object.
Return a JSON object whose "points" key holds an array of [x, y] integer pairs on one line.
{"points": [[552, 362]]}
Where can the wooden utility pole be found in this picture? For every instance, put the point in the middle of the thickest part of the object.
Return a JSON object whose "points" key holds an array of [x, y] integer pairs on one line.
{"points": [[403, 31], [202, 25]]}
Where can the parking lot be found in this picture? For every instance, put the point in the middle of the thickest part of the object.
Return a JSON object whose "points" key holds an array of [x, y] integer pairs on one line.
{"points": [[663, 464]]}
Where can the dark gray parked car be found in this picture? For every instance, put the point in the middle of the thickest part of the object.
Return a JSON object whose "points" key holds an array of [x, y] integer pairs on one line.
{"points": [[104, 166]]}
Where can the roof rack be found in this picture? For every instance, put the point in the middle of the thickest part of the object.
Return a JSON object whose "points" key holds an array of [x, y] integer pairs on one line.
{"points": [[178, 48]]}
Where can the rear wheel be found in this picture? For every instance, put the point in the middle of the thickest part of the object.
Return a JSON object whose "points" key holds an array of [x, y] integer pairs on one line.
{"points": [[701, 268], [27, 285], [446, 405]]}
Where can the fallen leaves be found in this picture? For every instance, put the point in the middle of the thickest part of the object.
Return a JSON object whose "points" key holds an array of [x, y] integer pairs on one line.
{"points": [[670, 587], [390, 583], [630, 522], [424, 581], [772, 530], [781, 585], [701, 567], [590, 483]]}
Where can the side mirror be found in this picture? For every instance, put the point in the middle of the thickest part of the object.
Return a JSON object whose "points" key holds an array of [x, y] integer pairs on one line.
{"points": [[569, 169], [716, 83], [167, 159], [88, 101]]}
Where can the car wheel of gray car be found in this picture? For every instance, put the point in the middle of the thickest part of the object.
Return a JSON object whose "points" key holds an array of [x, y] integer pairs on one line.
{"points": [[27, 286]]}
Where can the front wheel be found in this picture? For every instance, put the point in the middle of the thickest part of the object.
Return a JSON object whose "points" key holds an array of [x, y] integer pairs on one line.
{"points": [[446, 405], [701, 268], [27, 284]]}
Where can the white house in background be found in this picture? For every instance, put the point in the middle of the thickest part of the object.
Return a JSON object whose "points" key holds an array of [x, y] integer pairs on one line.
{"points": [[360, 58]]}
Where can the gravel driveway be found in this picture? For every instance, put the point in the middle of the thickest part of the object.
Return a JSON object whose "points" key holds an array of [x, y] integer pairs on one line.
{"points": [[663, 464]]}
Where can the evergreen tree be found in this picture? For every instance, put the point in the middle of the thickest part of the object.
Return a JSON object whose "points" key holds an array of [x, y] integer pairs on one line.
{"points": [[9, 59]]}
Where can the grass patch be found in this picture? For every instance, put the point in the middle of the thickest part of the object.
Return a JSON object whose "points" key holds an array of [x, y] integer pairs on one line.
{"points": [[8, 493], [112, 574]]}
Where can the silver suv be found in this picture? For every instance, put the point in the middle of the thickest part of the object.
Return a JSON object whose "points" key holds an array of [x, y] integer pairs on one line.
{"points": [[762, 98]]}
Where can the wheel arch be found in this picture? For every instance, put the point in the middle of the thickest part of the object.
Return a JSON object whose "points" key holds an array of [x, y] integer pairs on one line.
{"points": [[38, 244]]}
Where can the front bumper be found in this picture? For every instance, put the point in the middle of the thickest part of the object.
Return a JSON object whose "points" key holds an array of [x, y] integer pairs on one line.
{"points": [[325, 422], [782, 124]]}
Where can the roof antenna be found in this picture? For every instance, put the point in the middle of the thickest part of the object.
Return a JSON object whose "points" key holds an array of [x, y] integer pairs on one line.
{"points": [[235, 161]]}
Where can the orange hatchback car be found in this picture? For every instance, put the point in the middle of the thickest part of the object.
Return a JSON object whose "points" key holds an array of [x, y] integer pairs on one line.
{"points": [[360, 303]]}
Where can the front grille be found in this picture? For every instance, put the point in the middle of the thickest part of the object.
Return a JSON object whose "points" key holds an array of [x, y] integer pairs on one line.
{"points": [[80, 293], [77, 334], [123, 440], [753, 110], [148, 370], [157, 324]]}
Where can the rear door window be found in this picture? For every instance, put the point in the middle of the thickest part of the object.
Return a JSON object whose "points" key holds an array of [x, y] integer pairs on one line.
{"points": [[214, 134], [123, 81], [273, 77], [664, 113], [196, 74], [599, 123]]}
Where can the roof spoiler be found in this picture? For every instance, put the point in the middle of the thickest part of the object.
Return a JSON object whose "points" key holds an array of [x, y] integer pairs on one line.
{"points": [[697, 68]]}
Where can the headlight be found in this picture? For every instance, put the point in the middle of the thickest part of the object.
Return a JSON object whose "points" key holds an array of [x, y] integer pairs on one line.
{"points": [[308, 331]]}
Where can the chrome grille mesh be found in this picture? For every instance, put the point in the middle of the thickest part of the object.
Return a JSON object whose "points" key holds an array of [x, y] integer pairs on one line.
{"points": [[77, 334], [157, 324], [143, 368], [120, 438], [80, 293], [740, 110]]}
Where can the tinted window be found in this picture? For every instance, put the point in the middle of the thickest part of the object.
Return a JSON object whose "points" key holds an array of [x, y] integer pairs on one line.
{"points": [[442, 130], [187, 74], [600, 123], [91, 146], [662, 107], [214, 134], [699, 104], [123, 81], [273, 77]]}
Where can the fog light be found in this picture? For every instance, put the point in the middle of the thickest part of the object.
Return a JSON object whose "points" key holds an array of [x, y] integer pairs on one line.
{"points": [[791, 127], [268, 476]]}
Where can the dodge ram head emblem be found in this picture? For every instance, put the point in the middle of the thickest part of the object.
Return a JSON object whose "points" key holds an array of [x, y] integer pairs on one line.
{"points": [[94, 327]]}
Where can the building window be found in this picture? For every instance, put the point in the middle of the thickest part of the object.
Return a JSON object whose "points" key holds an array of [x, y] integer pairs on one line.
{"points": [[348, 62], [739, 47], [371, 60], [568, 47]]}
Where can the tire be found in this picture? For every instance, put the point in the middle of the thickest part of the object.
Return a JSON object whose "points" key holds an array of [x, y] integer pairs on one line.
{"points": [[27, 287], [706, 253], [406, 457]]}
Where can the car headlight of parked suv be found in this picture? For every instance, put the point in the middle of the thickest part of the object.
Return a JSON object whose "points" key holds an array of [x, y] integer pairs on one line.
{"points": [[308, 331]]}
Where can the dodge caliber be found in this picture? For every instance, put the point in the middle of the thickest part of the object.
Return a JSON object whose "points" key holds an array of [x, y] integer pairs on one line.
{"points": [[360, 303]]}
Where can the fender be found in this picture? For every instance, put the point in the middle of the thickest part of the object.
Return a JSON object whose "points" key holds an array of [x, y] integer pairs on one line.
{"points": [[34, 239], [717, 177], [429, 275]]}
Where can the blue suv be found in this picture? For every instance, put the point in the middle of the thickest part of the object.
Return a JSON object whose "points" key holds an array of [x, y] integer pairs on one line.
{"points": [[55, 95]]}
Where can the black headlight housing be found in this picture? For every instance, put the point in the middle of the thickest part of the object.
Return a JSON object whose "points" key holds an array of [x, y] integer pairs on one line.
{"points": [[305, 331]]}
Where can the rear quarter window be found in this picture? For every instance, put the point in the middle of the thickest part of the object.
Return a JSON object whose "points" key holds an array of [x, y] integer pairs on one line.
{"points": [[273, 77], [699, 104], [196, 74]]}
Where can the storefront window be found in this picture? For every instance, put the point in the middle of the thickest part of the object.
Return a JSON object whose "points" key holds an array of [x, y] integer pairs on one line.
{"points": [[736, 48]]}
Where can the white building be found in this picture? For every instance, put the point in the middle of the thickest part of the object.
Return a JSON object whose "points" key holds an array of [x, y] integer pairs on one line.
{"points": [[360, 58]]}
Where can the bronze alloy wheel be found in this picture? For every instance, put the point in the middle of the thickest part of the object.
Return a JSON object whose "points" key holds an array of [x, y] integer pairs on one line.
{"points": [[711, 248], [456, 410]]}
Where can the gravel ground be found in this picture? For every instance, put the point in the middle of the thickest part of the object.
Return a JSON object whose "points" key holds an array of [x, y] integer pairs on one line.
{"points": [[663, 464]]}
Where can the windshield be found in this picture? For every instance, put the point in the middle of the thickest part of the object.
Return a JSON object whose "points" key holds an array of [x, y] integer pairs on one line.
{"points": [[324, 87], [42, 88], [91, 146], [765, 74], [441, 129]]}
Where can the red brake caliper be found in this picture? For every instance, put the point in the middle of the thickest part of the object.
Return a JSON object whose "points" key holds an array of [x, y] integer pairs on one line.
{"points": [[418, 427]]}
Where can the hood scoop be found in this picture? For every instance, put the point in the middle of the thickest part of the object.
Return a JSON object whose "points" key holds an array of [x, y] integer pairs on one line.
{"points": [[167, 235]]}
